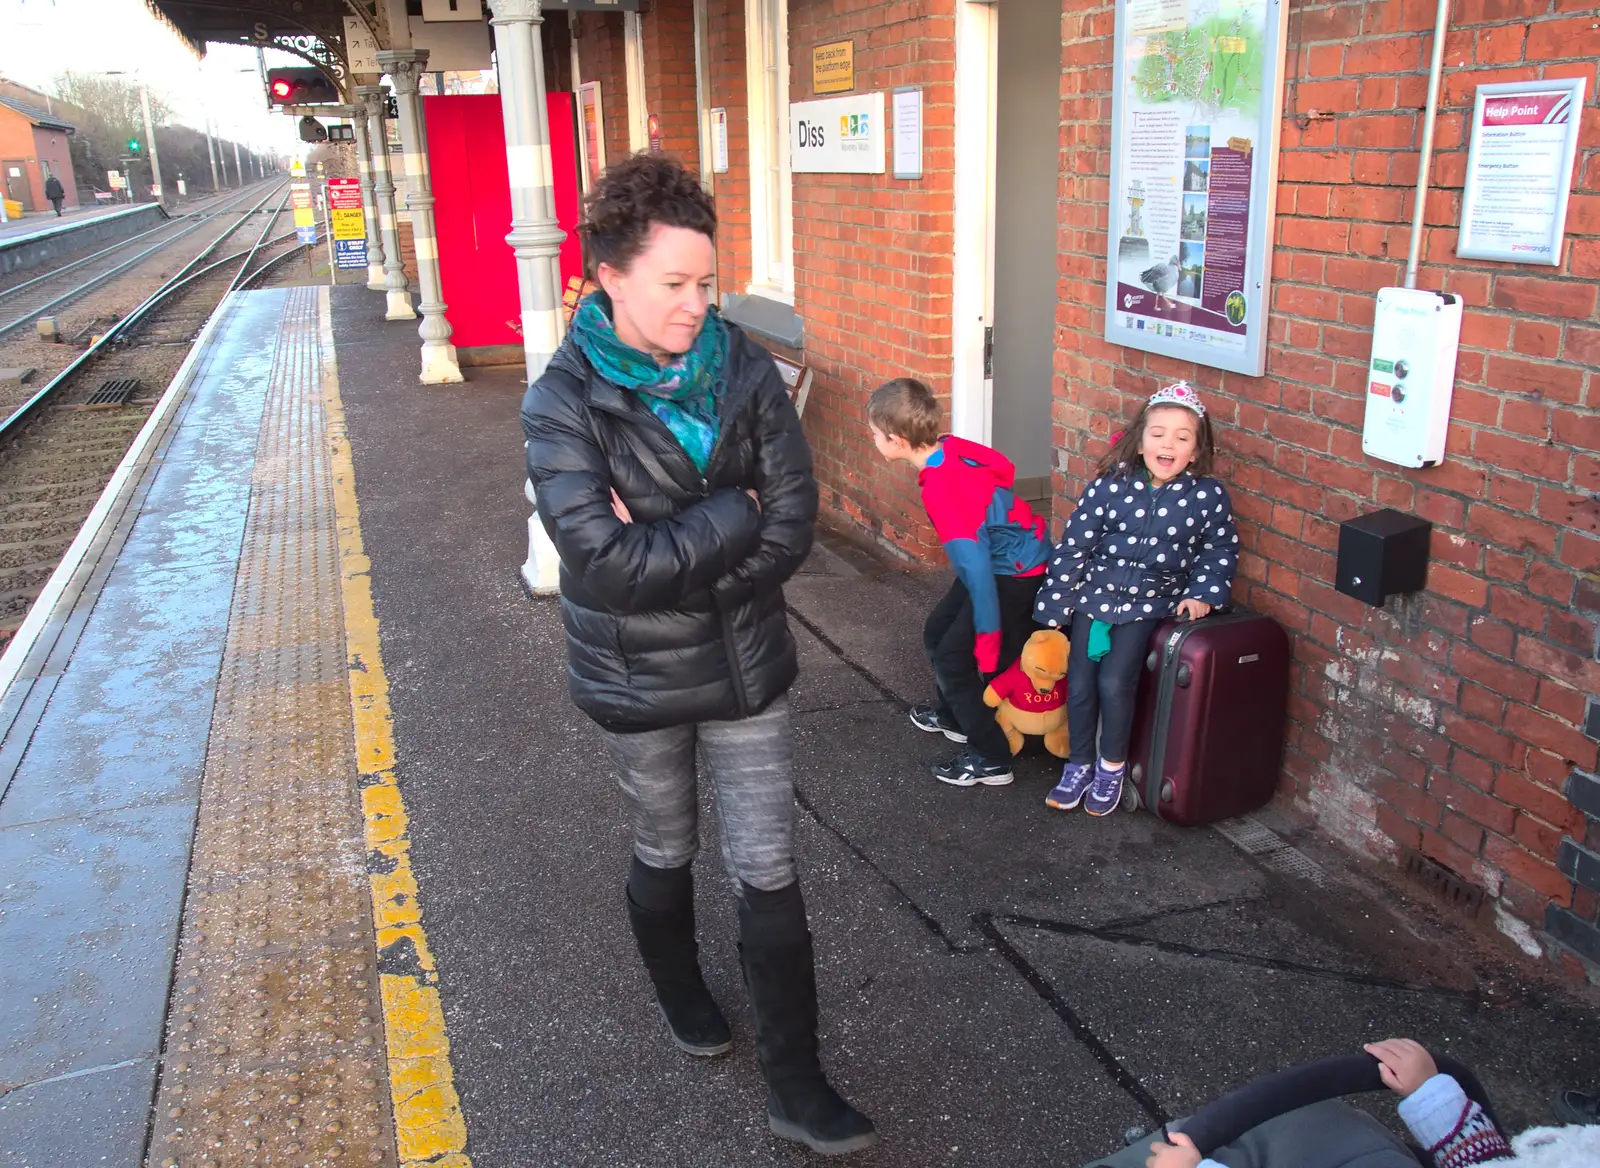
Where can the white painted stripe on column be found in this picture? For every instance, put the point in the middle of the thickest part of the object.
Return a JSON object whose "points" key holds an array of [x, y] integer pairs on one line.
{"points": [[427, 248], [528, 166], [540, 331]]}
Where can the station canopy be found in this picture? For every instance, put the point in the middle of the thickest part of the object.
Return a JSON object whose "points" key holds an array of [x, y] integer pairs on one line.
{"points": [[313, 30]]}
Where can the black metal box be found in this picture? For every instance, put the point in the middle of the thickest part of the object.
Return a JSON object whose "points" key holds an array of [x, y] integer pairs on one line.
{"points": [[1382, 553]]}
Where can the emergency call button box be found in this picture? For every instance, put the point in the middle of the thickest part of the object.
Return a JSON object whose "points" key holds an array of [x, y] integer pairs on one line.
{"points": [[1415, 334]]}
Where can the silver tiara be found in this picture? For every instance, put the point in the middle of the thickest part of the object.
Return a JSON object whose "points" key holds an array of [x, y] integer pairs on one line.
{"points": [[1178, 393]]}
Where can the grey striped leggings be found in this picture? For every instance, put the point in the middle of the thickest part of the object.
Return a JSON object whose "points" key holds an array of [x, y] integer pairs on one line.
{"points": [[749, 764]]}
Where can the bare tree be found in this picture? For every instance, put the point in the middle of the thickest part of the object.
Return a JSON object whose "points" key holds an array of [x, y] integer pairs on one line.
{"points": [[108, 116]]}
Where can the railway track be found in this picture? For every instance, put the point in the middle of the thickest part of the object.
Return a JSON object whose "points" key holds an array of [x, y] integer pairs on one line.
{"points": [[60, 446], [24, 302]]}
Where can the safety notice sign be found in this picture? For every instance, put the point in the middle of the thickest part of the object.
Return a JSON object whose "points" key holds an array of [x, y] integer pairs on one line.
{"points": [[346, 221], [305, 218]]}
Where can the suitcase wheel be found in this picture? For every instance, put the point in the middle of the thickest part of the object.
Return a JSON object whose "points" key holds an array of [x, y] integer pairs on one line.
{"points": [[1130, 798]]}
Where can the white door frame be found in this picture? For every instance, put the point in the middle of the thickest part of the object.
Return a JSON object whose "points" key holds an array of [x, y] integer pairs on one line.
{"points": [[633, 67], [972, 300]]}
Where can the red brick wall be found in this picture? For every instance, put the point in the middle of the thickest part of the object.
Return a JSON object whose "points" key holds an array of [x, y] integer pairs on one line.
{"points": [[1450, 723], [874, 258], [601, 58], [726, 70], [668, 35]]}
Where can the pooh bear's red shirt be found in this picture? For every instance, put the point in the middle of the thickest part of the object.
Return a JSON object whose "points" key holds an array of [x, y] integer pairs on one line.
{"points": [[1015, 687]]}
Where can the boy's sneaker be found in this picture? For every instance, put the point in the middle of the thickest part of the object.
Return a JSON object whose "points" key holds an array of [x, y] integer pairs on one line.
{"points": [[970, 768], [1105, 792], [927, 716], [1069, 792]]}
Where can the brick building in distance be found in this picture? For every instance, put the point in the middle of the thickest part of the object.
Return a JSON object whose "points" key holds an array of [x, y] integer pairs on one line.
{"points": [[1451, 722], [34, 145]]}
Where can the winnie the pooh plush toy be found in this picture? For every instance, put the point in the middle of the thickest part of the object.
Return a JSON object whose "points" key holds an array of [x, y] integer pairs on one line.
{"points": [[1031, 696]]}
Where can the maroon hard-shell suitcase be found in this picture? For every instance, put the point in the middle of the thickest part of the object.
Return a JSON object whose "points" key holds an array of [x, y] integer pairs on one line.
{"points": [[1208, 731]]}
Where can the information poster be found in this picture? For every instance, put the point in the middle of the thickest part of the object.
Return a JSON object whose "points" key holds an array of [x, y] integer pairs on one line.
{"points": [[1524, 141], [1198, 90], [347, 223], [305, 218]]}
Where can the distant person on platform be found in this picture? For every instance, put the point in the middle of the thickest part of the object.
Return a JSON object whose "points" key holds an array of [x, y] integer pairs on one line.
{"points": [[55, 192]]}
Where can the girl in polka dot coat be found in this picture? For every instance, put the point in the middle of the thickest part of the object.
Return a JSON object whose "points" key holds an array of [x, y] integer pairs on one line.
{"points": [[1152, 535]]}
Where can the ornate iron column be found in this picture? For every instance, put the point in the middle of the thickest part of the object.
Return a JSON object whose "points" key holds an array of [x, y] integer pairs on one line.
{"points": [[395, 285], [405, 68], [369, 209], [535, 237]]}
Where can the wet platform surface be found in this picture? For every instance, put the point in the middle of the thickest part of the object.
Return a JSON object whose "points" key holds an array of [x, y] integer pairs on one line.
{"points": [[318, 652]]}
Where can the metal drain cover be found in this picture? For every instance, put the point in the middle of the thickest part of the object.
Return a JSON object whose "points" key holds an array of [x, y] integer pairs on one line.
{"points": [[114, 393]]}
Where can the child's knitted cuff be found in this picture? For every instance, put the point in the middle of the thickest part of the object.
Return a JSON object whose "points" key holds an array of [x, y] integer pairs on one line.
{"points": [[1452, 1127], [1433, 1110]]}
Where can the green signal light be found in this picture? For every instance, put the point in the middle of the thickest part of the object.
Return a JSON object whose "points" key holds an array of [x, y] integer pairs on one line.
{"points": [[133, 145]]}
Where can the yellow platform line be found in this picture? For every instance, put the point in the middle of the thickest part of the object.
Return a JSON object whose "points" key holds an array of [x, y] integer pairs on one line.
{"points": [[429, 1127]]}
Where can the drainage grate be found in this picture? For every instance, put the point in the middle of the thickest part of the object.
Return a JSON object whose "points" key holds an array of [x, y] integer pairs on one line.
{"points": [[1455, 892], [1270, 850], [114, 393]]}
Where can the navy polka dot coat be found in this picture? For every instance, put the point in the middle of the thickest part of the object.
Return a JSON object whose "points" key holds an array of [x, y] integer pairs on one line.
{"points": [[1132, 551]]}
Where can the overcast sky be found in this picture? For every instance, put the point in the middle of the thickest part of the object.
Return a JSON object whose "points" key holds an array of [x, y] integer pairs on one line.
{"points": [[40, 39]]}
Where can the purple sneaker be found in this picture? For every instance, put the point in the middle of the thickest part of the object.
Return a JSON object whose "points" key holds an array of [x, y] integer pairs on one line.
{"points": [[1106, 790], [1068, 793]]}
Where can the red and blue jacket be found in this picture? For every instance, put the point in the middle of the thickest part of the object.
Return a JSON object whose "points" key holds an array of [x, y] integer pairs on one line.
{"points": [[986, 530]]}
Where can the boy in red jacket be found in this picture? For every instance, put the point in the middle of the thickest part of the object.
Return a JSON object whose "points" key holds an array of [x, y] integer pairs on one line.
{"points": [[998, 548]]}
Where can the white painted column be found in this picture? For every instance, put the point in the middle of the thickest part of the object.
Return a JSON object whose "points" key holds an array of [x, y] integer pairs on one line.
{"points": [[405, 68], [369, 208], [395, 285], [535, 237]]}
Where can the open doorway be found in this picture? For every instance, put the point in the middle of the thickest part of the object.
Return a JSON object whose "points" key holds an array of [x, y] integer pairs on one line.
{"points": [[1008, 116]]}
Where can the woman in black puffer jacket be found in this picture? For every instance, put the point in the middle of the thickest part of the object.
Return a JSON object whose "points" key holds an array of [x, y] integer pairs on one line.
{"points": [[673, 477]]}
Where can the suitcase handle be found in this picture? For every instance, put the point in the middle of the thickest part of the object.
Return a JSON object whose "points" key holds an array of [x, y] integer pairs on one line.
{"points": [[1223, 1121]]}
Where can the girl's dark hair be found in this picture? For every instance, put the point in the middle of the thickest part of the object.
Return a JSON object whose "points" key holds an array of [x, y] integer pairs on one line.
{"points": [[632, 196], [1124, 452]]}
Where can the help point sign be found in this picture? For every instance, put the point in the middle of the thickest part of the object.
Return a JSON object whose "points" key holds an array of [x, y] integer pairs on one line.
{"points": [[837, 135]]}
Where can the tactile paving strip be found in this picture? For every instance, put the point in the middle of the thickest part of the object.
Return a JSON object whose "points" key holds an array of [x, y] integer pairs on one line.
{"points": [[275, 1043]]}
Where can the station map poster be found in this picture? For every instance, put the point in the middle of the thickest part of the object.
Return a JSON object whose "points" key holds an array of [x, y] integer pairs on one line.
{"points": [[1194, 167], [1524, 141]]}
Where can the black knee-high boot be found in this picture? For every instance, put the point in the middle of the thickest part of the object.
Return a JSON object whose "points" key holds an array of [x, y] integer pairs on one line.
{"points": [[780, 973], [661, 911]]}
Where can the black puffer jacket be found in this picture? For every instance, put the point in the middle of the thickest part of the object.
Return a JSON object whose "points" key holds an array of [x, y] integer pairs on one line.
{"points": [[678, 616]]}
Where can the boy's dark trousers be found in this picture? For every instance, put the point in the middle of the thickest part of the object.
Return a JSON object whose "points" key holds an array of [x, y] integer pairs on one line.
{"points": [[949, 636]]}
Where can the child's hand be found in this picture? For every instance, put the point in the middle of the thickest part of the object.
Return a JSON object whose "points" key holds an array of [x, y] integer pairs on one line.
{"points": [[1192, 609], [1181, 1153], [1403, 1063]]}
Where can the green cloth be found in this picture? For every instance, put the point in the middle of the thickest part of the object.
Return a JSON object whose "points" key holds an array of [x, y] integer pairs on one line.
{"points": [[682, 393], [1099, 639]]}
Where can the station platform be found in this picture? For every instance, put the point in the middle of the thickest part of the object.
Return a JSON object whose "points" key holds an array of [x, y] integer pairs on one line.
{"points": [[309, 859], [40, 237], [47, 222]]}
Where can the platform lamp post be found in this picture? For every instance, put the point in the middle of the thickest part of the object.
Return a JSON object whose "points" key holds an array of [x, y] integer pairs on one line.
{"points": [[405, 68], [211, 157]]}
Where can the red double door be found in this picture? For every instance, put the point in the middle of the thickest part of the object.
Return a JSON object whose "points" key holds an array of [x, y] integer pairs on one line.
{"points": [[472, 211]]}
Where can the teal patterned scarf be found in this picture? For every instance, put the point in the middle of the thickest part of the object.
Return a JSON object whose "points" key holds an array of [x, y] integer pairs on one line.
{"points": [[682, 393]]}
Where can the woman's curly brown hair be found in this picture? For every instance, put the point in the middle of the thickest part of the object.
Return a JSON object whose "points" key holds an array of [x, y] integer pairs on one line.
{"points": [[631, 197]]}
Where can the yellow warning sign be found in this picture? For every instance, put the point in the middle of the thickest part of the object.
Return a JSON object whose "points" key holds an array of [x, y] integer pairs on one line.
{"points": [[833, 67]]}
